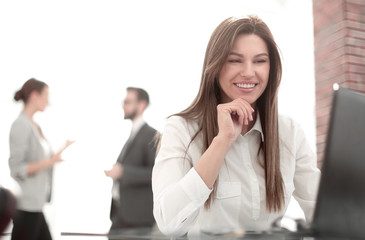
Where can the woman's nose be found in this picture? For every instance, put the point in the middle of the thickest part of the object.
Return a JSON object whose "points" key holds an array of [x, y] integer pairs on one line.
{"points": [[247, 70]]}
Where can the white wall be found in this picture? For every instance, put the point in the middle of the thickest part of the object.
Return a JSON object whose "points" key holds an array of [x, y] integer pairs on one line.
{"points": [[89, 51]]}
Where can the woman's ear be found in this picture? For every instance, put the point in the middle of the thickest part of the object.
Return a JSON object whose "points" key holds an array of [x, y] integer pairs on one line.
{"points": [[34, 94]]}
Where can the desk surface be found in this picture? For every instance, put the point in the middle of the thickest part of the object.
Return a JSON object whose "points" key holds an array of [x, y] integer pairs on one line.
{"points": [[153, 234]]}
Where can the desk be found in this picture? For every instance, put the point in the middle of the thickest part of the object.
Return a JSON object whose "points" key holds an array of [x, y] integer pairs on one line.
{"points": [[154, 234]]}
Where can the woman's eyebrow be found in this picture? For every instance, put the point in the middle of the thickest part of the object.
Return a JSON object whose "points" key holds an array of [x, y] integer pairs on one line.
{"points": [[236, 54], [241, 55], [262, 55]]}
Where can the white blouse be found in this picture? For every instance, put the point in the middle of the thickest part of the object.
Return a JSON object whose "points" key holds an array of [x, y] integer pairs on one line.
{"points": [[240, 202]]}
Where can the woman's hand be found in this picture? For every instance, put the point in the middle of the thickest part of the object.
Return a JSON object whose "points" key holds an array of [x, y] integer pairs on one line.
{"points": [[56, 158], [66, 145], [231, 118], [34, 167]]}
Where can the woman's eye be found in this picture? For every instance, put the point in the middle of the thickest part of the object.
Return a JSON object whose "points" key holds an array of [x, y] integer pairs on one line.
{"points": [[261, 61], [234, 60]]}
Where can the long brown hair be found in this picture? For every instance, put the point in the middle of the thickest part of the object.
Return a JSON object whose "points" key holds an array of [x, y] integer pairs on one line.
{"points": [[204, 107]]}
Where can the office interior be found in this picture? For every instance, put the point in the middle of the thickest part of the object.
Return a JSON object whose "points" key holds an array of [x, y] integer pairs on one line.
{"points": [[88, 52]]}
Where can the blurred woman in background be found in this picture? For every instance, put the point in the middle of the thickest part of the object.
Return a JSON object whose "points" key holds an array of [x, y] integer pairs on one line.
{"points": [[31, 162]]}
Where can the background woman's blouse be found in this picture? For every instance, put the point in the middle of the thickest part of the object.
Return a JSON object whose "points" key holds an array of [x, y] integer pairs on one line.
{"points": [[240, 202]]}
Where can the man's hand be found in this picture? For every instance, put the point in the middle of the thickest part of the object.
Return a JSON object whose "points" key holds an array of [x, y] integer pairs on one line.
{"points": [[116, 172]]}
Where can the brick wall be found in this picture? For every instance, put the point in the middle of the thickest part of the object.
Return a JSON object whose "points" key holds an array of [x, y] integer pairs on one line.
{"points": [[339, 39]]}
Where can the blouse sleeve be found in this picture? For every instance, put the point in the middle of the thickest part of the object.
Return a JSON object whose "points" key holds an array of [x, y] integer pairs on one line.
{"points": [[179, 192], [307, 175]]}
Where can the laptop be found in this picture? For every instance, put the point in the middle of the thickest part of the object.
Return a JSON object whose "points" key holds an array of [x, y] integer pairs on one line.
{"points": [[340, 208]]}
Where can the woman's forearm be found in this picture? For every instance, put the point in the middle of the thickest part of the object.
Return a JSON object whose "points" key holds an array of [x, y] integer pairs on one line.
{"points": [[211, 161], [35, 167]]}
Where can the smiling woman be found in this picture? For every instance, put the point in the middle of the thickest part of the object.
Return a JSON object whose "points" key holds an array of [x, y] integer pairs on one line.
{"points": [[229, 161]]}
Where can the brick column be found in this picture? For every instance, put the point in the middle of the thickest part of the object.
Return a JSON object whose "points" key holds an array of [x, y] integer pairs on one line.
{"points": [[339, 43]]}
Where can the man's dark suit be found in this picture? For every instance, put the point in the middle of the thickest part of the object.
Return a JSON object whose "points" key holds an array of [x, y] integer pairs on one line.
{"points": [[135, 188]]}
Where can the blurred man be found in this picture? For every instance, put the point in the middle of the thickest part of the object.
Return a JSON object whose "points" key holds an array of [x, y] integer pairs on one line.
{"points": [[132, 199]]}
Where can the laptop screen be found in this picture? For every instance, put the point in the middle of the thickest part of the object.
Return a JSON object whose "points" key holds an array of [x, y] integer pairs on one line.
{"points": [[340, 209]]}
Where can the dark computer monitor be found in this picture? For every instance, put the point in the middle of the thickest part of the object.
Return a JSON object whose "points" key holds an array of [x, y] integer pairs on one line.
{"points": [[340, 209]]}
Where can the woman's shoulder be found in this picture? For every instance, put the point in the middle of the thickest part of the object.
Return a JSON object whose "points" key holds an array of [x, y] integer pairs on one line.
{"points": [[175, 119], [179, 120], [288, 123], [181, 123], [21, 123]]}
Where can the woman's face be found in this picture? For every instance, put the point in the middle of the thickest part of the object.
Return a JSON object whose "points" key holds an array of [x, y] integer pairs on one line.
{"points": [[246, 71], [41, 99]]}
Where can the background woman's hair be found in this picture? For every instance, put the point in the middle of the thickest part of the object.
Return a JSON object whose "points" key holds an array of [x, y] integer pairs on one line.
{"points": [[204, 107], [27, 88]]}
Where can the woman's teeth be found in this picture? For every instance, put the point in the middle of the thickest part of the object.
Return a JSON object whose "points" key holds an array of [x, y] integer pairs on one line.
{"points": [[245, 85]]}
